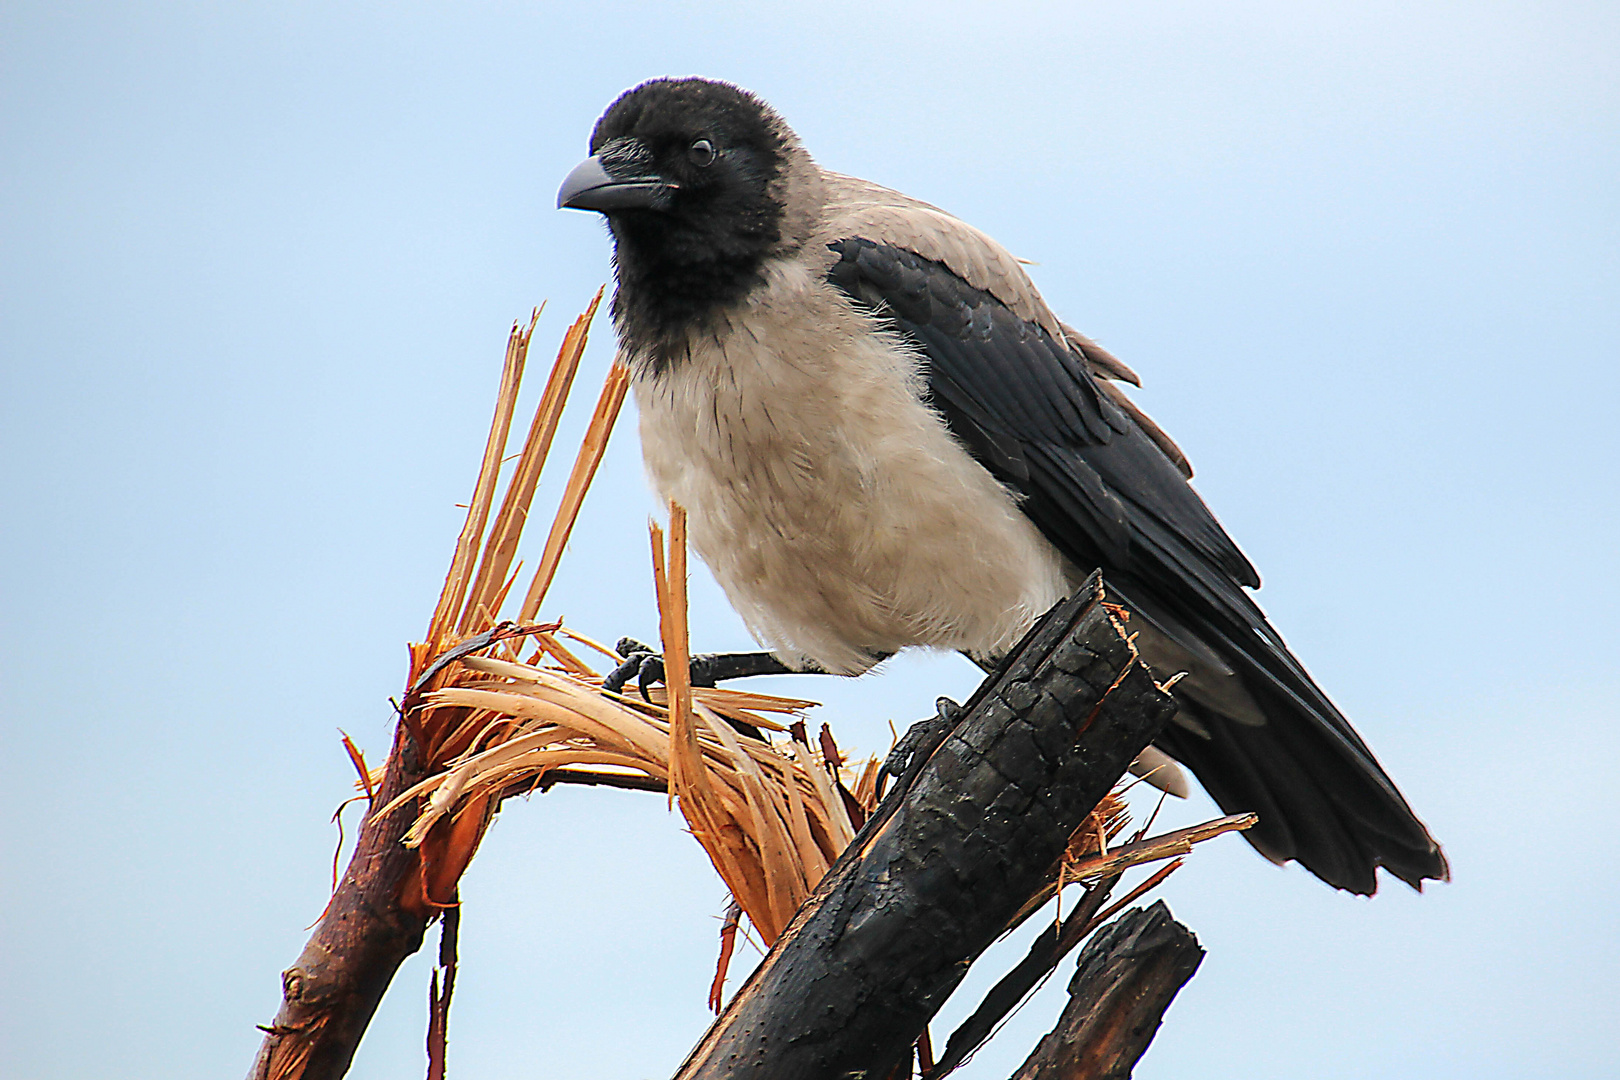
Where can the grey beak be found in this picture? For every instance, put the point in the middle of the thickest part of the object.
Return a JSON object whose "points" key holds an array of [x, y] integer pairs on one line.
{"points": [[592, 187]]}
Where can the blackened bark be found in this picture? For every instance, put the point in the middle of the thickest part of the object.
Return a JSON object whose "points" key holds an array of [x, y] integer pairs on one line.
{"points": [[1045, 953], [1128, 974], [947, 861]]}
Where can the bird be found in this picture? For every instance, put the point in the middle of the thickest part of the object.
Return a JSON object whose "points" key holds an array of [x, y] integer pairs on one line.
{"points": [[886, 438]]}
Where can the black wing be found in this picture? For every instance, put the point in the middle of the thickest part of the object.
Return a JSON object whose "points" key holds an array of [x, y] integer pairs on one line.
{"points": [[1098, 487]]}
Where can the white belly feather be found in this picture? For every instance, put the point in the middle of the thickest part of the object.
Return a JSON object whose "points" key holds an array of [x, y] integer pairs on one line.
{"points": [[835, 509]]}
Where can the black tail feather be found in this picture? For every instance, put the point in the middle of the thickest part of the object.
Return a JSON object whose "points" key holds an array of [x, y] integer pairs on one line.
{"points": [[1316, 804]]}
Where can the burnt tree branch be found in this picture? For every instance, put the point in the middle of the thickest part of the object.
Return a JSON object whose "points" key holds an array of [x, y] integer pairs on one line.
{"points": [[1125, 980], [1047, 951], [971, 833]]}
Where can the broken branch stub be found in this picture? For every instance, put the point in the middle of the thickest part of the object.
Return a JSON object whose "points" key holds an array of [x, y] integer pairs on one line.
{"points": [[1127, 976], [947, 861], [331, 991]]}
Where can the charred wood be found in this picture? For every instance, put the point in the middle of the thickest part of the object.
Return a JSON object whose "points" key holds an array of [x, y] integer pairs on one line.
{"points": [[970, 833], [1127, 976]]}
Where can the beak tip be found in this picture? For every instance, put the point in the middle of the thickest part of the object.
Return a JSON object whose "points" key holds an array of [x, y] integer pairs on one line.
{"points": [[585, 176], [591, 187]]}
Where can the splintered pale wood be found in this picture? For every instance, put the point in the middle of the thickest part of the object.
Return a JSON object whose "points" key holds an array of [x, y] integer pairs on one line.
{"points": [[756, 831], [669, 575], [536, 718], [501, 548], [448, 733], [769, 817], [940, 868], [1127, 976], [1171, 844], [579, 481], [376, 917], [689, 782], [457, 580]]}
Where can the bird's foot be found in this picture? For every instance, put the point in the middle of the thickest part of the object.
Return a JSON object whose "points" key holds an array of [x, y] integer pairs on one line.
{"points": [[641, 663], [919, 742], [647, 667], [707, 669]]}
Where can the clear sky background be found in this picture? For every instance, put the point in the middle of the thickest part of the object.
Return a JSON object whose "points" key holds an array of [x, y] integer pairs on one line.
{"points": [[257, 265]]}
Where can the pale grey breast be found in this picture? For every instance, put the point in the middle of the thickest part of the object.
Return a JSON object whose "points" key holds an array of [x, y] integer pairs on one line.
{"points": [[831, 504]]}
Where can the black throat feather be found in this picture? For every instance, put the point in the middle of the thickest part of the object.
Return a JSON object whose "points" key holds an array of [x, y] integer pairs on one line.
{"points": [[681, 266], [675, 282]]}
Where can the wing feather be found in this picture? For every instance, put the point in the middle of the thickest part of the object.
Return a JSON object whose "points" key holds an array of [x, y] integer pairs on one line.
{"points": [[1109, 489]]}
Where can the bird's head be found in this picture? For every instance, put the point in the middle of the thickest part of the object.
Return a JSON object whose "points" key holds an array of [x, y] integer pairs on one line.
{"points": [[700, 182]]}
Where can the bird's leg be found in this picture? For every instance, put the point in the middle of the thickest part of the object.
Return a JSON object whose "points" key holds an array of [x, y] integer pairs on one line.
{"points": [[707, 669], [635, 655], [918, 743], [717, 667]]}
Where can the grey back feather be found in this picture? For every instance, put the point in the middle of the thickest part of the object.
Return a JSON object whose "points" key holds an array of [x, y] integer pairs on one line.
{"points": [[856, 207]]}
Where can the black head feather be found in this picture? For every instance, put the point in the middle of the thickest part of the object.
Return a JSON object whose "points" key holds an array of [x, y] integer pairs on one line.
{"points": [[724, 151]]}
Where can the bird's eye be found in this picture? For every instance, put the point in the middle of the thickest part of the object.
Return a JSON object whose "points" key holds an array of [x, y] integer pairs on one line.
{"points": [[701, 153]]}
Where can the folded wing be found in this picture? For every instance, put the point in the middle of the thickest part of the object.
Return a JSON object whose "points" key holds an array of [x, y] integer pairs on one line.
{"points": [[1108, 490]]}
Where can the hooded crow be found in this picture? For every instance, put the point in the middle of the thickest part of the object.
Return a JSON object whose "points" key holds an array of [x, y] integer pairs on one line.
{"points": [[887, 439]]}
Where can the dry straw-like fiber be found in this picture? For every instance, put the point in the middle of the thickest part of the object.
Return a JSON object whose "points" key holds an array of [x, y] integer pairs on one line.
{"points": [[771, 816]]}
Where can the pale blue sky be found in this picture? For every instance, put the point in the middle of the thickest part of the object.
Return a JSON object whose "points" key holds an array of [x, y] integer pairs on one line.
{"points": [[256, 267]]}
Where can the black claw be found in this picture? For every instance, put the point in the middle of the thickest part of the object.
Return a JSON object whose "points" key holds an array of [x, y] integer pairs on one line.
{"points": [[646, 667], [614, 683], [635, 658], [650, 671]]}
